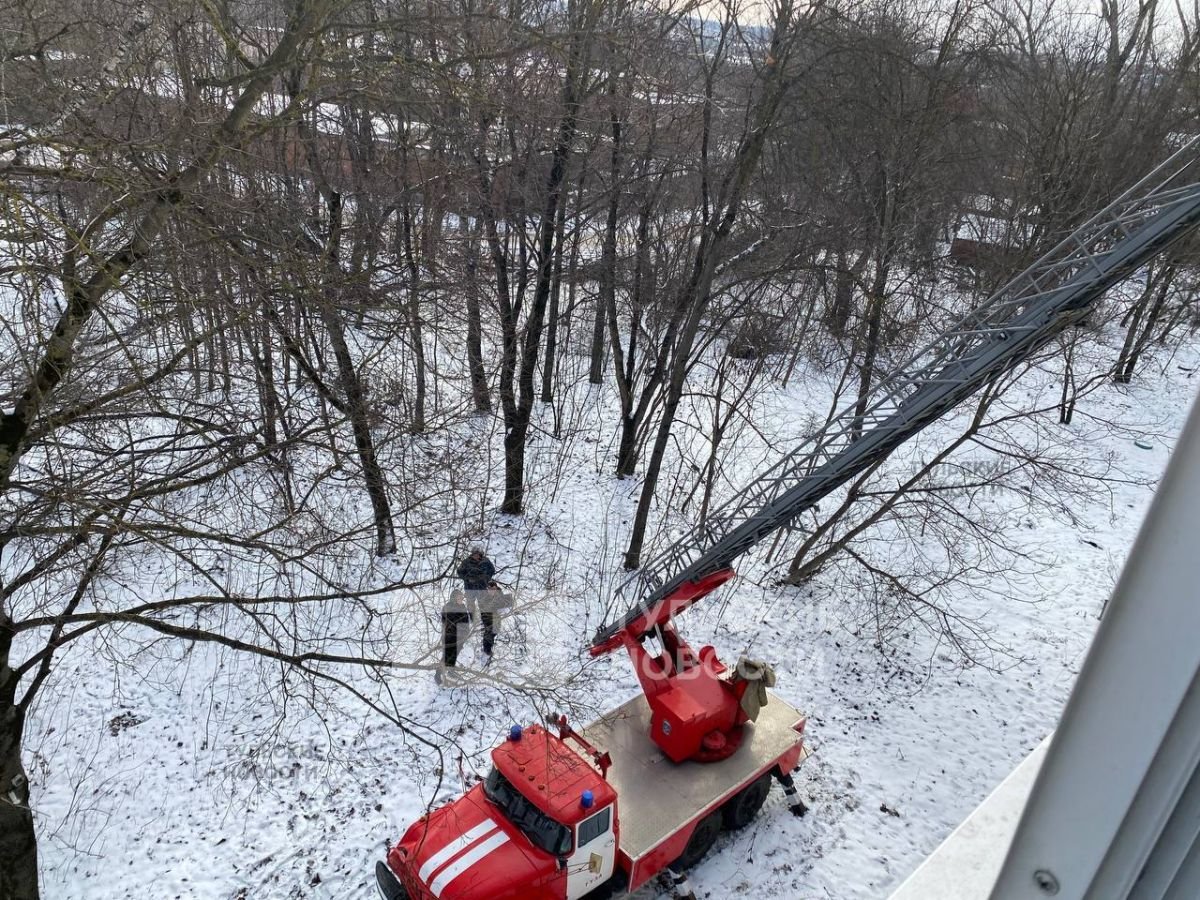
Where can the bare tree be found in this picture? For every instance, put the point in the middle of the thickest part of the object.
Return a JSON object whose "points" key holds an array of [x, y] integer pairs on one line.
{"points": [[98, 244], [773, 76]]}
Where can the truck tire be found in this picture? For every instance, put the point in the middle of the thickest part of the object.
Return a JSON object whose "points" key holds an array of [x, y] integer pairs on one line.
{"points": [[389, 887], [701, 841], [741, 810]]}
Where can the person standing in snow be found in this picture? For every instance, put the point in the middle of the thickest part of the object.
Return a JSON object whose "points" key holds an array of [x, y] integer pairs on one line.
{"points": [[476, 571], [491, 603], [456, 622]]}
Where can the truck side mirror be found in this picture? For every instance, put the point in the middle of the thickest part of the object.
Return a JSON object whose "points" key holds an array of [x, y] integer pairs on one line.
{"points": [[562, 863]]}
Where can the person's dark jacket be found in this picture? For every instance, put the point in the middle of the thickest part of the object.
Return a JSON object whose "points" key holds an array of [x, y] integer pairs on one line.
{"points": [[476, 573]]}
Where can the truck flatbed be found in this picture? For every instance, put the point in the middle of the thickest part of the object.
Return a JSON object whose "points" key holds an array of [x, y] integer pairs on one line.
{"points": [[658, 796]]}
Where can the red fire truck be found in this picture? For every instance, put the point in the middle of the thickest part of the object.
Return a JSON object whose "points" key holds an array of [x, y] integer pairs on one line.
{"points": [[646, 789], [643, 790]]}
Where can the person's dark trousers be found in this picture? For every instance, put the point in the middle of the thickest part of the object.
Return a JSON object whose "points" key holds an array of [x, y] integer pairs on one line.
{"points": [[454, 630], [489, 631]]}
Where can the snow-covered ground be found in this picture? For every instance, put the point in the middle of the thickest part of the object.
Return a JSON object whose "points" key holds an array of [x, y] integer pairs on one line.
{"points": [[185, 772]]}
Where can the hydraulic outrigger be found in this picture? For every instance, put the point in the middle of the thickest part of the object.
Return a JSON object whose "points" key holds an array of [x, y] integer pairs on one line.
{"points": [[598, 812]]}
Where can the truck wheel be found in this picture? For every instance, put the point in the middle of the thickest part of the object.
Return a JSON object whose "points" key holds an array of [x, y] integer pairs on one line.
{"points": [[741, 810], [389, 887], [700, 842]]}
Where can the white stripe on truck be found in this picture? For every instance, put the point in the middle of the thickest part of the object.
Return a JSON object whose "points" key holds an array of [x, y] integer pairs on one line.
{"points": [[487, 826], [467, 860]]}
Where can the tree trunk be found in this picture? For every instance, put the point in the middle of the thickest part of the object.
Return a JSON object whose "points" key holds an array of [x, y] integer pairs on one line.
{"points": [[843, 298], [552, 324], [1066, 403], [631, 415], [509, 314], [18, 840], [415, 325], [633, 555], [717, 434], [1139, 335], [608, 250], [627, 449], [480, 395], [364, 444], [596, 372], [866, 370], [517, 423], [352, 390]]}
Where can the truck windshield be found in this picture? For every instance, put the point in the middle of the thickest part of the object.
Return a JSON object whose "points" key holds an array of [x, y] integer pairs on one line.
{"points": [[541, 830]]}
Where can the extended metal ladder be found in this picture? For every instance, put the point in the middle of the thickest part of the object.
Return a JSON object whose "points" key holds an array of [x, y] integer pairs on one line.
{"points": [[1055, 292]]}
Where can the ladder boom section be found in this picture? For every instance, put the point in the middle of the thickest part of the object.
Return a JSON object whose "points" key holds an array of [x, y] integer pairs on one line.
{"points": [[1054, 293]]}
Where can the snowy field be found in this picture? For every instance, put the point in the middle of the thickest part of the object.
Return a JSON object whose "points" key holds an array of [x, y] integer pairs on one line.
{"points": [[183, 771]]}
